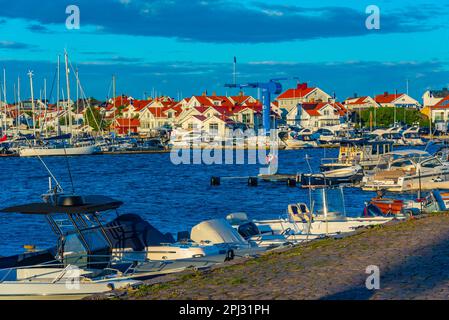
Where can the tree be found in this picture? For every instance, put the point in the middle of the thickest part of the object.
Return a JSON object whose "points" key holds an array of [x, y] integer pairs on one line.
{"points": [[93, 118], [385, 117]]}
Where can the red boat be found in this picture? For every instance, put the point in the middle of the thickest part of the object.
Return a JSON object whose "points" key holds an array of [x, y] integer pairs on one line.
{"points": [[388, 206]]}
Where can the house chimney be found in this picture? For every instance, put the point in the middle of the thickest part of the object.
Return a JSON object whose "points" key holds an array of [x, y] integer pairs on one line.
{"points": [[204, 94], [214, 94], [386, 93], [302, 86], [356, 95], [241, 93]]}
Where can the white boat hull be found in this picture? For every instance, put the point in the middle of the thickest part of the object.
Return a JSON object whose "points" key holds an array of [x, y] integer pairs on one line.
{"points": [[28, 290], [321, 227], [47, 152]]}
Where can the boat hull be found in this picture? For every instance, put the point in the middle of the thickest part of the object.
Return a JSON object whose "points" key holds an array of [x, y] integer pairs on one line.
{"points": [[48, 152], [12, 290]]}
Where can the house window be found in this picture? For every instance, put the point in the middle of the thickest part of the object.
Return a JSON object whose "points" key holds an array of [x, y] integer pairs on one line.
{"points": [[169, 115], [246, 118], [213, 128]]}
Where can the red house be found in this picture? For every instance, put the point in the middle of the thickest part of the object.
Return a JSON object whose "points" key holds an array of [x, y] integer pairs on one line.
{"points": [[126, 126]]}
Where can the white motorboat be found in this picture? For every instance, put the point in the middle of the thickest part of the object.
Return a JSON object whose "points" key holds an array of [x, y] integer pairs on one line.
{"points": [[412, 137], [116, 253], [55, 282], [411, 171], [345, 174], [327, 217], [219, 232]]}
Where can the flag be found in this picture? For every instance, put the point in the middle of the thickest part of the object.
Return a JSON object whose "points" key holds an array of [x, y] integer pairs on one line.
{"points": [[3, 139]]}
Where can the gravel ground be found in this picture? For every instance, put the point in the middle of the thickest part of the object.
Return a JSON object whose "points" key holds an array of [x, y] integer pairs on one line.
{"points": [[412, 256]]}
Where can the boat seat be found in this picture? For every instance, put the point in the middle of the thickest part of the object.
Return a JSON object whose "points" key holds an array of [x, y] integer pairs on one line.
{"points": [[299, 212], [183, 236]]}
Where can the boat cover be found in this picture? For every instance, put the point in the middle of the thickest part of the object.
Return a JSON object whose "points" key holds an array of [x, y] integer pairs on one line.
{"points": [[131, 231], [216, 231]]}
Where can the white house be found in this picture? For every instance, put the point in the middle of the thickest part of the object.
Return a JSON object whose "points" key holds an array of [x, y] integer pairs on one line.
{"points": [[396, 100], [360, 103], [316, 115], [302, 94]]}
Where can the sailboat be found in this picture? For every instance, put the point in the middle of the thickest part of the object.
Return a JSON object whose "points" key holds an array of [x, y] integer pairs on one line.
{"points": [[56, 146]]}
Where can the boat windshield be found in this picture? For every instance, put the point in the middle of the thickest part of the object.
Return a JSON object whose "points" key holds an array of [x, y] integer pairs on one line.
{"points": [[431, 163], [329, 202]]}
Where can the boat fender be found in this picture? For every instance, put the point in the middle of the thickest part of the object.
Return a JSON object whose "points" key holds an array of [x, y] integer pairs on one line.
{"points": [[230, 255], [286, 231], [111, 286]]}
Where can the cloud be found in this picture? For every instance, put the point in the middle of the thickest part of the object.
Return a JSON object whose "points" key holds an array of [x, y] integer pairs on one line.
{"points": [[38, 28], [221, 21], [14, 45]]}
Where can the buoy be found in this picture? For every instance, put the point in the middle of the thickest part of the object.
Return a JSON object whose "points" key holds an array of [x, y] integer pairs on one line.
{"points": [[215, 181], [291, 182], [253, 182], [30, 247]]}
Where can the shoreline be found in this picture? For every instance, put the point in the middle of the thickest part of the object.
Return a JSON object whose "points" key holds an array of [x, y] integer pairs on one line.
{"points": [[411, 256]]}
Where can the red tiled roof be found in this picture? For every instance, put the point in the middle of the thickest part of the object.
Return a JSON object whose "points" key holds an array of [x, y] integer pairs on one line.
{"points": [[201, 118], [443, 104], [360, 100], [300, 92], [387, 97]]}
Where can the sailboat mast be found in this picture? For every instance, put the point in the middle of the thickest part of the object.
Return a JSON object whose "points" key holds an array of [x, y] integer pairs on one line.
{"points": [[69, 109], [58, 128], [30, 74], [18, 105], [4, 99]]}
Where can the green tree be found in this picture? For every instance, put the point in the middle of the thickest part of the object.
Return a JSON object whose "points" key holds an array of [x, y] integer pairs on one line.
{"points": [[384, 116], [93, 118]]}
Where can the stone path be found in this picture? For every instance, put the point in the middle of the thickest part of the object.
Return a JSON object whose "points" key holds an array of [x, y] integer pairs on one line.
{"points": [[413, 258]]}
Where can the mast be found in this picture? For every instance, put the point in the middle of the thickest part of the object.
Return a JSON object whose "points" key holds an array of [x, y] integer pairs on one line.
{"points": [[69, 109], [4, 99], [18, 105], [58, 127], [46, 107], [77, 91], [30, 74]]}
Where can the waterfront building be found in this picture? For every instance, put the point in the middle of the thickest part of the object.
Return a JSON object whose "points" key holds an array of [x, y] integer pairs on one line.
{"points": [[432, 97], [360, 103], [317, 115], [290, 98], [396, 100]]}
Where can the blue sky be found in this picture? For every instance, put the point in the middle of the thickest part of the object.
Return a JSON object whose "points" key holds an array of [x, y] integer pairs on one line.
{"points": [[179, 47]]}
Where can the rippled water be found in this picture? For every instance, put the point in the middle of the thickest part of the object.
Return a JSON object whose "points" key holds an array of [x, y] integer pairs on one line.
{"points": [[171, 197]]}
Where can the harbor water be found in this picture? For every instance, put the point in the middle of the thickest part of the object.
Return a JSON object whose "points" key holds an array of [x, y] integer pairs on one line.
{"points": [[171, 197]]}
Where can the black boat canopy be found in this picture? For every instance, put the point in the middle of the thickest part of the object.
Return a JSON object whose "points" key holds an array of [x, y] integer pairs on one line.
{"points": [[85, 204]]}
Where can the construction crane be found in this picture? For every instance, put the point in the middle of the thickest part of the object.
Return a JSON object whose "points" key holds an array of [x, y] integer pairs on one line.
{"points": [[268, 88]]}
